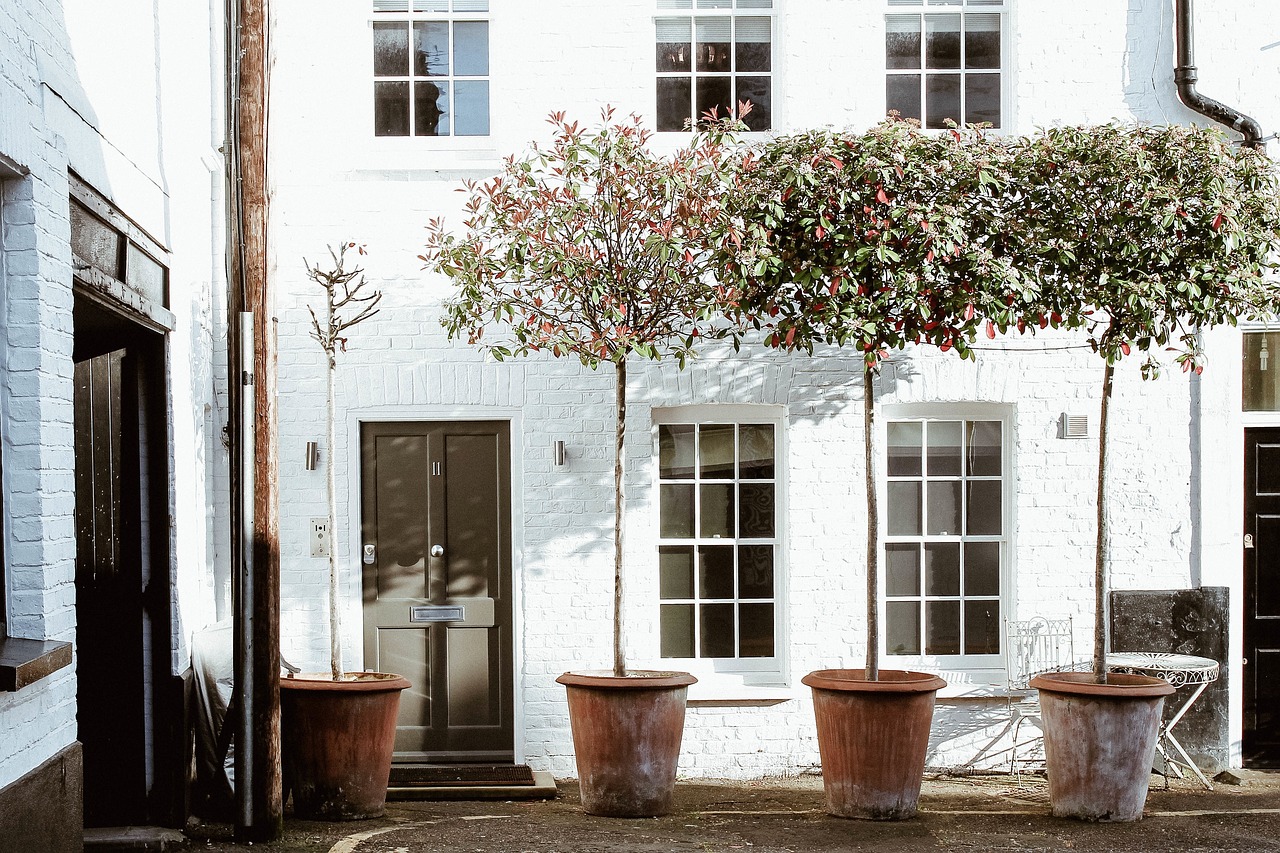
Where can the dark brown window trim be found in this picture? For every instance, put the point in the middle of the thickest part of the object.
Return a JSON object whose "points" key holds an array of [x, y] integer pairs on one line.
{"points": [[24, 662]]}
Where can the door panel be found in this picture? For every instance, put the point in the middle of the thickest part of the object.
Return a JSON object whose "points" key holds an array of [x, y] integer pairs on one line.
{"points": [[436, 511], [1262, 598]]}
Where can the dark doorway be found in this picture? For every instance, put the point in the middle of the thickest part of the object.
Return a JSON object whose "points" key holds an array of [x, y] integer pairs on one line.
{"points": [[436, 548], [124, 683], [1262, 598]]}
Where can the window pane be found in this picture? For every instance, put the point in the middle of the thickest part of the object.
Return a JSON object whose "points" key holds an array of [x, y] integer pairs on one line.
{"points": [[675, 508], [982, 41], [755, 571], [715, 517], [144, 274], [982, 568], [942, 628], [982, 627], [717, 631], [944, 449], [715, 451], [390, 50], [902, 95], [984, 448], [944, 508], [755, 510], [902, 568], [471, 105], [902, 627], [675, 451], [675, 571], [95, 242], [758, 92], [677, 630], [904, 448], [984, 515], [942, 568], [753, 44], [675, 47], [982, 99], [391, 109], [674, 103], [431, 49], [902, 41], [904, 509], [755, 451], [942, 100], [471, 48], [942, 41], [755, 628], [715, 93], [712, 35], [430, 108], [715, 571]]}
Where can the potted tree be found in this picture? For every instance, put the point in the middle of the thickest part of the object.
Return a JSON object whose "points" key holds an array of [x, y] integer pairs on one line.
{"points": [[1141, 236], [338, 730], [878, 241], [598, 249]]}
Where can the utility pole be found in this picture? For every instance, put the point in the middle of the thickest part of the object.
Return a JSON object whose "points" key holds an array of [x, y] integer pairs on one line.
{"points": [[252, 359]]}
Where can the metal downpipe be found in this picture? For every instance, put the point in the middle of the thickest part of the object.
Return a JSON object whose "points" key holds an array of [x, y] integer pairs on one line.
{"points": [[1185, 75]]}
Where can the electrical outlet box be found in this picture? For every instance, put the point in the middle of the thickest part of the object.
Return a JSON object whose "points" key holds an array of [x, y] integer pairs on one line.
{"points": [[319, 537]]}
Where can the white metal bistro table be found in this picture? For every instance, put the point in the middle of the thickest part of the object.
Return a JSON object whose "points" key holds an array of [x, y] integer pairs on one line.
{"points": [[1180, 671]]}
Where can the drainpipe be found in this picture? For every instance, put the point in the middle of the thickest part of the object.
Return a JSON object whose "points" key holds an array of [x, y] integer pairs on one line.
{"points": [[1185, 76]]}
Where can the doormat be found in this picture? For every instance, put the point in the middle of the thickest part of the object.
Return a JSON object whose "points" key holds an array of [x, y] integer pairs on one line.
{"points": [[460, 775]]}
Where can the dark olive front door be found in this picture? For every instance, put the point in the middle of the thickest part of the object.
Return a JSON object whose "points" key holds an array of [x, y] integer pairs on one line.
{"points": [[436, 551], [1262, 598]]}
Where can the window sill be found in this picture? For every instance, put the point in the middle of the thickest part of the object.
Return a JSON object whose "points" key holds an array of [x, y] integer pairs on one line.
{"points": [[721, 695], [24, 662]]}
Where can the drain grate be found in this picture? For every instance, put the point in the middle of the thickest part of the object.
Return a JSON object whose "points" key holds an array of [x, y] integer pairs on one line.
{"points": [[459, 775]]}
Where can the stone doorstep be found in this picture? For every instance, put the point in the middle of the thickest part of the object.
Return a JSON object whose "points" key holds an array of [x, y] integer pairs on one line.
{"points": [[109, 839], [543, 788]]}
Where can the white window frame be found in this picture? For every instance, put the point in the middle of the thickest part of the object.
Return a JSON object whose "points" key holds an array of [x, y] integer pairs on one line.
{"points": [[410, 12], [963, 8], [761, 671], [731, 9], [982, 669]]}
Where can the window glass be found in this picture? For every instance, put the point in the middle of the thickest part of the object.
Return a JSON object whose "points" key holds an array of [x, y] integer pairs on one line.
{"points": [[714, 60], [1261, 372], [717, 557], [945, 535], [431, 68]]}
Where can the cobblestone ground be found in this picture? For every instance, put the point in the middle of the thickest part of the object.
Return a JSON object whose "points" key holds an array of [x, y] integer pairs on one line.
{"points": [[972, 814]]}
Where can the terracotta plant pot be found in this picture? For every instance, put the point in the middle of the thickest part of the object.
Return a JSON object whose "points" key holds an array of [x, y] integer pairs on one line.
{"points": [[1099, 742], [626, 739], [336, 743], [872, 736]]}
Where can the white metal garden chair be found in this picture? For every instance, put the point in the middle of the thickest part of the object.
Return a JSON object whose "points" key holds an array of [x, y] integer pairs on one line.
{"points": [[1034, 646]]}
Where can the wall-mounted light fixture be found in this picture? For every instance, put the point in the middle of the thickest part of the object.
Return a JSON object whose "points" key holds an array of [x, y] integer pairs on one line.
{"points": [[313, 455], [1263, 355], [559, 452]]}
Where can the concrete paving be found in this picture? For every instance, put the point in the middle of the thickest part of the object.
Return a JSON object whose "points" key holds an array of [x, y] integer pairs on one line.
{"points": [[785, 816]]}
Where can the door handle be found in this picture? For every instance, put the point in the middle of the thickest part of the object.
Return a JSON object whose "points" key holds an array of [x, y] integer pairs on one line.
{"points": [[1248, 540], [437, 550], [370, 555]]}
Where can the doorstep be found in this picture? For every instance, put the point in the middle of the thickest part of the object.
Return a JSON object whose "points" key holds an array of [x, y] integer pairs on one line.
{"points": [[470, 783], [110, 839]]}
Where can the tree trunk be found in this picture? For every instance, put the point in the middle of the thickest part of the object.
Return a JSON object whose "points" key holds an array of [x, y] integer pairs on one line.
{"points": [[1100, 554], [331, 488], [873, 527], [619, 507]]}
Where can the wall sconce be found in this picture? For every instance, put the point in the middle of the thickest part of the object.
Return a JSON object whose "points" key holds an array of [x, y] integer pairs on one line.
{"points": [[1263, 355], [559, 453], [313, 455]]}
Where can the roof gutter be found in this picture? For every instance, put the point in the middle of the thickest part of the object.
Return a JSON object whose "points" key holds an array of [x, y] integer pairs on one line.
{"points": [[1185, 76]]}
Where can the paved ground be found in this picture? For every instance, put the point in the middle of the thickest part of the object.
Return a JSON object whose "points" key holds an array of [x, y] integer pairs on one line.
{"points": [[975, 814]]}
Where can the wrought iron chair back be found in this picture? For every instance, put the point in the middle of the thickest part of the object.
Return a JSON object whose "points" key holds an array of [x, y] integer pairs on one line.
{"points": [[1033, 646]]}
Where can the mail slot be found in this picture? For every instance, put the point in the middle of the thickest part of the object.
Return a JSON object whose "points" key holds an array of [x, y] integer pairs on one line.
{"points": [[437, 613]]}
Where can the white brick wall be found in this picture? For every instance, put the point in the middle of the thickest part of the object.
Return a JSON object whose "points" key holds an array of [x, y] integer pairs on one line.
{"points": [[1087, 61]]}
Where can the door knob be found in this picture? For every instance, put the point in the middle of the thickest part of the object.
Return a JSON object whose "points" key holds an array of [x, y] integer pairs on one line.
{"points": [[437, 550], [370, 555]]}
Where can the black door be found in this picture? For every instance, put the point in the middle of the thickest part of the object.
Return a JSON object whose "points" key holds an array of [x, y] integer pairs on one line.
{"points": [[1262, 598], [436, 552]]}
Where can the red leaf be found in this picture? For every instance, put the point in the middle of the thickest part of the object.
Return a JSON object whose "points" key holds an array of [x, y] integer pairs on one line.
{"points": [[1124, 348], [956, 134], [929, 257], [1217, 221], [791, 335], [968, 311], [881, 196], [1044, 322], [819, 232], [836, 161], [688, 256], [991, 330], [834, 287]]}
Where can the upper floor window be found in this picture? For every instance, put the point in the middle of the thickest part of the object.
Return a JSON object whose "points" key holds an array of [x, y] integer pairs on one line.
{"points": [[718, 548], [1261, 366], [431, 68], [715, 55], [946, 540], [944, 60]]}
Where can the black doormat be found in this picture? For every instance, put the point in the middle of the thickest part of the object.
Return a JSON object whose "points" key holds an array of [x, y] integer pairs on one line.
{"points": [[459, 775]]}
